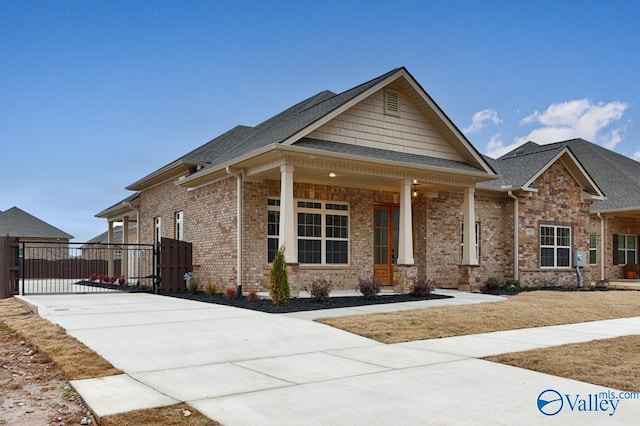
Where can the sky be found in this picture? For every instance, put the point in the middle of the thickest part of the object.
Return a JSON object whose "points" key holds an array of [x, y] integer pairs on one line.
{"points": [[95, 95]]}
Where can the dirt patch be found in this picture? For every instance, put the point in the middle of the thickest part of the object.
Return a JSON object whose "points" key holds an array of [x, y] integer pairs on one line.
{"points": [[533, 309], [37, 360], [32, 389], [612, 363]]}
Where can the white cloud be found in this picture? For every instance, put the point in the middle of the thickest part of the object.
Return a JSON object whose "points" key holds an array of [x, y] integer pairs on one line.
{"points": [[578, 118], [482, 119], [496, 147], [636, 155]]}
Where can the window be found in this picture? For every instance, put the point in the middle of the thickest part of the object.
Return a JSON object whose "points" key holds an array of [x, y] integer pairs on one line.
{"points": [[179, 226], [626, 249], [322, 232], [593, 249], [477, 241], [158, 230], [555, 246], [273, 228]]}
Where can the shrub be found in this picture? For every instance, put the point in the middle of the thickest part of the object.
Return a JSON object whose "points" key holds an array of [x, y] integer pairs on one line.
{"points": [[422, 288], [230, 293], [93, 277], [252, 295], [121, 280], [278, 280], [512, 282], [320, 290], [210, 288], [369, 287], [193, 286], [494, 283]]}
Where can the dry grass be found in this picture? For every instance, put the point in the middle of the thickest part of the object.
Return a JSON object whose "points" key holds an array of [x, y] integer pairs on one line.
{"points": [[612, 363], [534, 309], [166, 416], [79, 362], [72, 357]]}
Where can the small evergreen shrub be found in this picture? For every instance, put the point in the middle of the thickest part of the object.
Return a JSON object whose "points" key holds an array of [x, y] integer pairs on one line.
{"points": [[512, 286], [369, 287], [278, 280], [494, 283], [252, 295], [320, 290], [210, 288], [422, 288], [230, 293]]}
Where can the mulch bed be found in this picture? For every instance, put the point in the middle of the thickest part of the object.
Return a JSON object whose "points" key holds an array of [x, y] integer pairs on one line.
{"points": [[302, 304]]}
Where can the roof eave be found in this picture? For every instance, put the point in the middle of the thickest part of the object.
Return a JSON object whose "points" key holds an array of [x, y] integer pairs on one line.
{"points": [[170, 171]]}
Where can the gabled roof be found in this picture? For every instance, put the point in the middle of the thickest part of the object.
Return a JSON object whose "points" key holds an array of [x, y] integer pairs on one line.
{"points": [[293, 124], [616, 176], [104, 237], [18, 223], [120, 206]]}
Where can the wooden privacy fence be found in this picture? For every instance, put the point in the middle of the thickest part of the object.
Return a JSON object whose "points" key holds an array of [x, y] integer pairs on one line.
{"points": [[9, 266], [174, 261]]}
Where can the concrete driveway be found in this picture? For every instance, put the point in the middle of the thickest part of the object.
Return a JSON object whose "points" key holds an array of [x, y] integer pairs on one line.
{"points": [[243, 367]]}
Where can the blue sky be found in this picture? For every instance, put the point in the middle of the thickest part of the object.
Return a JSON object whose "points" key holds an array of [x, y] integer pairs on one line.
{"points": [[96, 94]]}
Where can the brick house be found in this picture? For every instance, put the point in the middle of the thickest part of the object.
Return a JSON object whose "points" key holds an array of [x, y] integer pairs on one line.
{"points": [[375, 180]]}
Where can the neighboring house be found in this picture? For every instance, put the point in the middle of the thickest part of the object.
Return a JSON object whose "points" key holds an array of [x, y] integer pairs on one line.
{"points": [[377, 181], [18, 223]]}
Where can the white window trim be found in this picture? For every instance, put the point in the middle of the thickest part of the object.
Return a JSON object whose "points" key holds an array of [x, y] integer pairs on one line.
{"points": [[593, 249], [323, 212], [157, 228], [179, 219], [555, 246]]}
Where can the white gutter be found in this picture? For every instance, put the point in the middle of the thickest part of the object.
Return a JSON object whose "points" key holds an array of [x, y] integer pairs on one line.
{"points": [[516, 260], [238, 176], [602, 245]]}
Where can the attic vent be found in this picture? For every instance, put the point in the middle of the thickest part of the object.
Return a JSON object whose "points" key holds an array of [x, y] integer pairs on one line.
{"points": [[391, 102]]}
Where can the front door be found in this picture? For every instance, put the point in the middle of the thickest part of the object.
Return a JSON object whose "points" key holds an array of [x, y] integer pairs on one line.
{"points": [[386, 225]]}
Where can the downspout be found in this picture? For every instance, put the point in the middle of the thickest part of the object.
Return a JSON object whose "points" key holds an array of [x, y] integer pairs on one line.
{"points": [[516, 257], [602, 245], [238, 176]]}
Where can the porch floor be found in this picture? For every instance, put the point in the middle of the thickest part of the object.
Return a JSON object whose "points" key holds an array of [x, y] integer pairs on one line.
{"points": [[625, 284]]}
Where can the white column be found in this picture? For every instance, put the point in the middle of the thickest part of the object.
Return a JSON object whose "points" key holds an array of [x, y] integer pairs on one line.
{"points": [[124, 265], [469, 249], [110, 263], [405, 239], [286, 238]]}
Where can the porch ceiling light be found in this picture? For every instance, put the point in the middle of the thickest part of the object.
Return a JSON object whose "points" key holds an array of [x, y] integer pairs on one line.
{"points": [[332, 174]]}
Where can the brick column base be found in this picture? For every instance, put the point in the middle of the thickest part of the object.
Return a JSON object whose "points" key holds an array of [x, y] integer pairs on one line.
{"points": [[293, 270], [404, 276], [469, 278]]}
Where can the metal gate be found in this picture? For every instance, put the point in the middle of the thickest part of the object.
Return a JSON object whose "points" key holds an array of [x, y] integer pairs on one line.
{"points": [[54, 267], [48, 267]]}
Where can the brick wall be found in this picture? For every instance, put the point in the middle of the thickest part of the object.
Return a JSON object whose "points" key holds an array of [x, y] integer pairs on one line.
{"points": [[557, 202]]}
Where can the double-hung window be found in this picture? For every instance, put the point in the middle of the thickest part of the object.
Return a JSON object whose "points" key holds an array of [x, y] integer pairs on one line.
{"points": [[555, 246], [157, 229], [593, 249], [626, 249], [179, 226], [322, 231]]}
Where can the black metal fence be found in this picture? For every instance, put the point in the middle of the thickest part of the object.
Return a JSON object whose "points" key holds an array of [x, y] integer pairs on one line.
{"points": [[61, 267]]}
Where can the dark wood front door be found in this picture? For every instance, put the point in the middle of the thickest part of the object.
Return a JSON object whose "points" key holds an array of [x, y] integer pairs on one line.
{"points": [[386, 224]]}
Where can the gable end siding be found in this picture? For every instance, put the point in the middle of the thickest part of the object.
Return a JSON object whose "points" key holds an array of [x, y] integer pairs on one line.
{"points": [[366, 124]]}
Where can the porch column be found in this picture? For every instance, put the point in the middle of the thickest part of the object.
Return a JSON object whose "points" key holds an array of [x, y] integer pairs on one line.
{"points": [[405, 239], [286, 237], [469, 256], [110, 262], [124, 268]]}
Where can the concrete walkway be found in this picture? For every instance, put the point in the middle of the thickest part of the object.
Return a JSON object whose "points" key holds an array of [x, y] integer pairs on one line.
{"points": [[243, 367]]}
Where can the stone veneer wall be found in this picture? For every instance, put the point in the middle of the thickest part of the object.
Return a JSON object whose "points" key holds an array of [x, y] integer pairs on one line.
{"points": [[557, 202]]}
